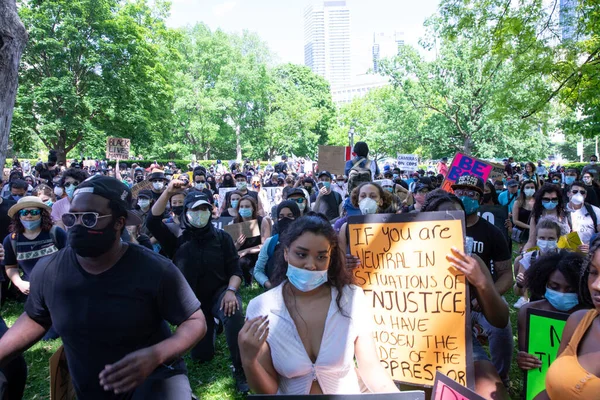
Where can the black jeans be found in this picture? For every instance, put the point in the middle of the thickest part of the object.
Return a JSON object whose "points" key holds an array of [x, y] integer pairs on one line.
{"points": [[13, 375], [205, 350]]}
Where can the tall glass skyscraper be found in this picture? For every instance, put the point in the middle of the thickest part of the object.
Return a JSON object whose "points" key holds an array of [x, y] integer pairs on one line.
{"points": [[568, 19], [327, 41]]}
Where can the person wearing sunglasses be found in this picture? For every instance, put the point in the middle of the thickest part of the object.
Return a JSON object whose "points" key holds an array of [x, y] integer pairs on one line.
{"points": [[582, 217], [111, 302], [32, 237], [548, 203], [69, 182]]}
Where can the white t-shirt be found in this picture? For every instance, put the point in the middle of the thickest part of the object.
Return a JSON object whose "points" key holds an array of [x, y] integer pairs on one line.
{"points": [[334, 367], [583, 224]]}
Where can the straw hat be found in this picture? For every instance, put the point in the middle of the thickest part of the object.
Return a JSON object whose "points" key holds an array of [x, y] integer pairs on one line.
{"points": [[28, 202]]}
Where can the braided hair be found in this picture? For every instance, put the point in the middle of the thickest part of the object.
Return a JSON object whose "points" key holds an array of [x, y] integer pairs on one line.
{"points": [[438, 197], [584, 276]]}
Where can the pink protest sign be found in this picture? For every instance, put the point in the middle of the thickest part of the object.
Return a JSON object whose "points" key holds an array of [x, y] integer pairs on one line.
{"points": [[466, 165]]}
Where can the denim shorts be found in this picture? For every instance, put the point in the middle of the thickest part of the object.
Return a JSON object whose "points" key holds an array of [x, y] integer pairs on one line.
{"points": [[479, 353]]}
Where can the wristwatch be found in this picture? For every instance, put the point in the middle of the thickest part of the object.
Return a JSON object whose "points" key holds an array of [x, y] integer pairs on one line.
{"points": [[234, 290]]}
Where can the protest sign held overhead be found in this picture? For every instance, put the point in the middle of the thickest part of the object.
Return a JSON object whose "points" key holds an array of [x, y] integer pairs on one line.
{"points": [[408, 162], [420, 304], [332, 159], [467, 165], [544, 332], [117, 148]]}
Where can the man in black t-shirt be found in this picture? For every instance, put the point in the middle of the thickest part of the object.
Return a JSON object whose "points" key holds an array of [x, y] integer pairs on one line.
{"points": [[491, 246], [110, 302]]}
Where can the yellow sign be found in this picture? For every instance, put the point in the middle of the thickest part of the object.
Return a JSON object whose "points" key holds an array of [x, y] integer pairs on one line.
{"points": [[420, 305]]}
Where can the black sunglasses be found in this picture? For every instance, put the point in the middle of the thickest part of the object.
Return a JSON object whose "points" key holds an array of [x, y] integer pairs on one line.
{"points": [[547, 200], [33, 213]]}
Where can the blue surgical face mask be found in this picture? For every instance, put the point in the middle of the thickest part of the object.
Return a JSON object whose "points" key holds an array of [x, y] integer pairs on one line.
{"points": [[234, 203], [305, 280], [31, 225], [16, 197], [471, 205], [49, 203], [245, 212], [550, 205], [327, 185], [69, 190], [561, 301], [569, 180], [394, 176]]}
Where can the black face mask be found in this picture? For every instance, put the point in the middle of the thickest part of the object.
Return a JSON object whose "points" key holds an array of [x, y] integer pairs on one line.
{"points": [[89, 242], [283, 224], [177, 210], [308, 188], [487, 197], [139, 178]]}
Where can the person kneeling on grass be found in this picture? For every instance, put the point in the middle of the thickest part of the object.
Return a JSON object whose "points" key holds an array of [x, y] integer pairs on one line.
{"points": [[110, 302]]}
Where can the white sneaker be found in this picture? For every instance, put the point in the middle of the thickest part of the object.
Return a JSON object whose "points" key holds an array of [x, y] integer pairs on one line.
{"points": [[521, 302]]}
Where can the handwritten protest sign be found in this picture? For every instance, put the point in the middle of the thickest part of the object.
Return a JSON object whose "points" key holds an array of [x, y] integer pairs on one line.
{"points": [[420, 306], [497, 216], [332, 159], [544, 331], [249, 229], [274, 197], [220, 222], [447, 389], [117, 148], [61, 387], [138, 187], [223, 192], [408, 395], [408, 162], [466, 165]]}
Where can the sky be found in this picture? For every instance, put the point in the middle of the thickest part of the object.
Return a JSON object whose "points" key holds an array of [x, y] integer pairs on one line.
{"points": [[280, 23]]}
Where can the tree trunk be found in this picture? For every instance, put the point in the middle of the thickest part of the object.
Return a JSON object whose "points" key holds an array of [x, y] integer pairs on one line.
{"points": [[13, 38], [468, 146], [238, 145]]}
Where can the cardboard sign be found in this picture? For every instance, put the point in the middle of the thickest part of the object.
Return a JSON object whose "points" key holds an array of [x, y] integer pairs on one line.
{"points": [[408, 162], [138, 187], [117, 148], [466, 165], [274, 197], [332, 159], [408, 395], [61, 387], [447, 389], [249, 229], [497, 216], [223, 193], [420, 306], [221, 222], [497, 173], [544, 332]]}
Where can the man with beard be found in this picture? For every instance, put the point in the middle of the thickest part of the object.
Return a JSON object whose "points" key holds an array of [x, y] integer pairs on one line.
{"points": [[110, 302]]}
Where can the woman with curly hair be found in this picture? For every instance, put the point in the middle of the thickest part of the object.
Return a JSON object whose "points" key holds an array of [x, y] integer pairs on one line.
{"points": [[548, 203], [575, 374], [32, 237], [553, 283], [302, 336]]}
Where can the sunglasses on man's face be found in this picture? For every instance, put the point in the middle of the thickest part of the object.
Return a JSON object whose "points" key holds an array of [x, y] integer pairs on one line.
{"points": [[582, 191], [69, 184], [33, 213], [88, 219], [549, 200]]}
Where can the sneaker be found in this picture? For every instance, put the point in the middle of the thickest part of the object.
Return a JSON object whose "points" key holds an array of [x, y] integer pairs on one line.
{"points": [[521, 302], [241, 384]]}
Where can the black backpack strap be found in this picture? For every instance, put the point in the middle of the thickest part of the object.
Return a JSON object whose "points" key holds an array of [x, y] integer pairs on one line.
{"points": [[590, 210]]}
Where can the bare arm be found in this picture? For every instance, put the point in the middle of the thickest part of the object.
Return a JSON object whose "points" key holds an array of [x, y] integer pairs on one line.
{"points": [[256, 356], [118, 171], [21, 336], [370, 368], [505, 277], [492, 305], [515, 214], [532, 235]]}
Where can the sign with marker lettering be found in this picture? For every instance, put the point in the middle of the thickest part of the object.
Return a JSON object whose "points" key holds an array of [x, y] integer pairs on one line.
{"points": [[544, 331], [408, 395], [117, 148], [420, 303], [408, 162], [467, 165], [447, 389]]}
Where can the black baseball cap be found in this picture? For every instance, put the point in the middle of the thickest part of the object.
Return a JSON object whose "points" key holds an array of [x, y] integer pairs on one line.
{"points": [[195, 199], [326, 173], [145, 193], [470, 182], [111, 189]]}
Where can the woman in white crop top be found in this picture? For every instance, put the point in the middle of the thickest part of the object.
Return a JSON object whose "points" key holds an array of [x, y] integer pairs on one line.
{"points": [[303, 336]]}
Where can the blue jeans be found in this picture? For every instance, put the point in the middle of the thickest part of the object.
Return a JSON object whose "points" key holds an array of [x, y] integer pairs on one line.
{"points": [[501, 344]]}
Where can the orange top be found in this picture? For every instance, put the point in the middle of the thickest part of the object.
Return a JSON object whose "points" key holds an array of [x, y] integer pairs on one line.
{"points": [[566, 378]]}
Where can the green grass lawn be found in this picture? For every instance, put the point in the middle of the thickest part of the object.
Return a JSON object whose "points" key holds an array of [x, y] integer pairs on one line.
{"points": [[210, 381]]}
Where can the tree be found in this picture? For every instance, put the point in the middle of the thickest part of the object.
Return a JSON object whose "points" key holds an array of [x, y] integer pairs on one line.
{"points": [[91, 70], [13, 38]]}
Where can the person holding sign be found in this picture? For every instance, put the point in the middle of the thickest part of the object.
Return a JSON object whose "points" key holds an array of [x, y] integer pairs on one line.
{"points": [[554, 283], [302, 336], [493, 307], [575, 374]]}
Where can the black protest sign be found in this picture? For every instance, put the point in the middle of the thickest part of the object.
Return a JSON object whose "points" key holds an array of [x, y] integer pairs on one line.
{"points": [[497, 216]]}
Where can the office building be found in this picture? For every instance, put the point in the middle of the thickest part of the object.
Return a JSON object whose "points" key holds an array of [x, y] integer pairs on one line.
{"points": [[568, 19], [327, 41], [386, 46]]}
